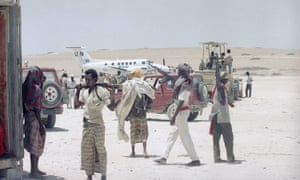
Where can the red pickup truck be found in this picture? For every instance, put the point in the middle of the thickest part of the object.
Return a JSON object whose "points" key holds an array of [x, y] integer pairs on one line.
{"points": [[163, 102]]}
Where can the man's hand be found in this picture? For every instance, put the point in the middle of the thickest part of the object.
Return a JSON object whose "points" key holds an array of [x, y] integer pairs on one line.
{"points": [[78, 87]]}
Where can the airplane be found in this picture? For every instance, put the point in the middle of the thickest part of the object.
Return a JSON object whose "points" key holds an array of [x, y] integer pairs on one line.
{"points": [[115, 66]]}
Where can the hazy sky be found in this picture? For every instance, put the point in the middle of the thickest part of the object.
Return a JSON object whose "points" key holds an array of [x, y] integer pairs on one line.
{"points": [[51, 25]]}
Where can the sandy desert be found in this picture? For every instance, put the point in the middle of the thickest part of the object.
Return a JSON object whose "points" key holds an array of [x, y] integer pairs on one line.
{"points": [[266, 126]]}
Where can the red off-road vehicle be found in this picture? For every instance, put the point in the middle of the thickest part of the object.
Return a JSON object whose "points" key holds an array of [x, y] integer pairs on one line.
{"points": [[163, 102], [52, 96]]}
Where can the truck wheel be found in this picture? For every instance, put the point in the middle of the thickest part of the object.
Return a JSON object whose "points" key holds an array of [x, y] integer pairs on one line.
{"points": [[193, 116], [51, 121], [171, 110], [202, 92], [52, 94]]}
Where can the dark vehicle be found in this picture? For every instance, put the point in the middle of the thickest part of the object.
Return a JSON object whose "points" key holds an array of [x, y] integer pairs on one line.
{"points": [[52, 96], [163, 102]]}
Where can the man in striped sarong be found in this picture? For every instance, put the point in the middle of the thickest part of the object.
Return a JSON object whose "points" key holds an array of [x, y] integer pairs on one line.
{"points": [[93, 152]]}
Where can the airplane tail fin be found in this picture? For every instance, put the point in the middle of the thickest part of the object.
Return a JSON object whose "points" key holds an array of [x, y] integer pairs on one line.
{"points": [[80, 53]]}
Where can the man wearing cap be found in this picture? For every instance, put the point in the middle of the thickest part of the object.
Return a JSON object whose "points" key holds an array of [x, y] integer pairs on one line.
{"points": [[182, 90], [220, 120]]}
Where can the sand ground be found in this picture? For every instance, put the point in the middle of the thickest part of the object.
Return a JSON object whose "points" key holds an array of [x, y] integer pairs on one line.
{"points": [[266, 127]]}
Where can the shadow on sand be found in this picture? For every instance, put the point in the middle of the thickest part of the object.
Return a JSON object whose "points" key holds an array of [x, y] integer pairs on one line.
{"points": [[167, 120], [57, 129], [142, 156], [27, 176]]}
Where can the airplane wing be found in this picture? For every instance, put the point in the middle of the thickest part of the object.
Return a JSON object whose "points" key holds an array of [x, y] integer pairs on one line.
{"points": [[116, 69]]}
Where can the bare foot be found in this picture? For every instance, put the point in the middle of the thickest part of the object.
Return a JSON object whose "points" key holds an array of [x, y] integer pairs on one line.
{"points": [[41, 172], [89, 177]]}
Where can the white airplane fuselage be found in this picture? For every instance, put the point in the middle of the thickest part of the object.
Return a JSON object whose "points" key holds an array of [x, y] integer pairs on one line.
{"points": [[115, 66]]}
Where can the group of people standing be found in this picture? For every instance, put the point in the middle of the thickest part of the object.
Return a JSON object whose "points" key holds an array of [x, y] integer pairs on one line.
{"points": [[226, 63], [137, 98]]}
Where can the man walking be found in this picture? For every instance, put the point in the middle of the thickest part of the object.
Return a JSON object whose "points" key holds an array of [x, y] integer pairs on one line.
{"points": [[182, 90]]}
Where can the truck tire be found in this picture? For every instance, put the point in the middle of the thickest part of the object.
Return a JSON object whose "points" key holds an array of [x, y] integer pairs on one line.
{"points": [[192, 116], [202, 92], [52, 94], [50, 122], [171, 110]]}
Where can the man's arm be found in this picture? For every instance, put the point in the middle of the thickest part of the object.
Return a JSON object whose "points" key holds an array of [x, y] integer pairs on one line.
{"points": [[111, 106]]}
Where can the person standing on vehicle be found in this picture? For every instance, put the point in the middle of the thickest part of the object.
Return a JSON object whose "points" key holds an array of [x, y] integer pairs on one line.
{"points": [[34, 129], [249, 85], [71, 88], [181, 94], [228, 61], [220, 119], [93, 151], [137, 96]]}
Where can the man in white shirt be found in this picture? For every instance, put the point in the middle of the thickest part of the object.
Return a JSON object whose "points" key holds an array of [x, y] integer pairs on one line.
{"points": [[71, 89], [249, 85], [228, 61], [182, 90], [220, 119], [93, 152]]}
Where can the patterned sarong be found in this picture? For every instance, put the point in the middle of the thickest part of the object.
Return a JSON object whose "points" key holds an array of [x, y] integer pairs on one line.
{"points": [[93, 152], [138, 130], [34, 141]]}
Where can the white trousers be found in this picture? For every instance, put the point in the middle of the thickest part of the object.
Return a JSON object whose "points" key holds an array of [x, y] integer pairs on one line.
{"points": [[71, 98], [181, 129]]}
